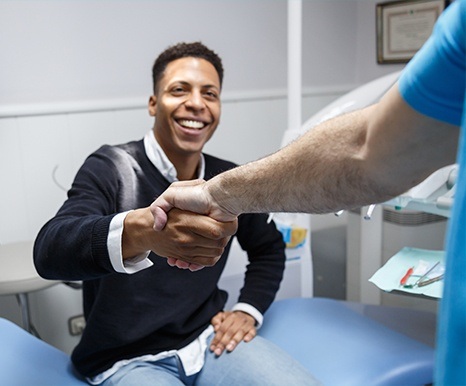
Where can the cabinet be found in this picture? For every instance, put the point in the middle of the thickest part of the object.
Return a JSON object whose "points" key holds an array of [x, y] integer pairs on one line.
{"points": [[417, 219]]}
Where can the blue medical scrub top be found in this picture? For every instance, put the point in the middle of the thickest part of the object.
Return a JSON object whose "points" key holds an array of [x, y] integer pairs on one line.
{"points": [[433, 83]]}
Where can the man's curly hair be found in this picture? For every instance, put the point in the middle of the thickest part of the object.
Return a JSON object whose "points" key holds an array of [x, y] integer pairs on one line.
{"points": [[184, 50]]}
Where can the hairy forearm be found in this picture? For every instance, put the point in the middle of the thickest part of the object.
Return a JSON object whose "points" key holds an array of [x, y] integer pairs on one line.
{"points": [[320, 172], [360, 158]]}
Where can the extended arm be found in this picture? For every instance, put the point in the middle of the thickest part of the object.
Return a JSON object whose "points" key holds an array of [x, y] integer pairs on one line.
{"points": [[363, 157], [74, 244], [357, 159]]}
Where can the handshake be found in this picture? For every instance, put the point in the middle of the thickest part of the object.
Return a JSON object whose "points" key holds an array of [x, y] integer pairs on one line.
{"points": [[213, 230]]}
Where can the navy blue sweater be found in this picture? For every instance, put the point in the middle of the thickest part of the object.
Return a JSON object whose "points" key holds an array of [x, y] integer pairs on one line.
{"points": [[156, 309]]}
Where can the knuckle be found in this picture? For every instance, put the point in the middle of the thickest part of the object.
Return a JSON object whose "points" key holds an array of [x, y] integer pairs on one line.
{"points": [[209, 262], [217, 252], [184, 240], [223, 330], [223, 242], [216, 232]]}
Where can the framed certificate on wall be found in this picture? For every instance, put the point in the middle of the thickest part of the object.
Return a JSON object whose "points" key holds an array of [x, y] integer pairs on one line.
{"points": [[404, 26]]}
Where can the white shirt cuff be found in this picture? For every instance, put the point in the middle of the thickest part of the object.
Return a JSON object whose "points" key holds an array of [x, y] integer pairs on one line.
{"points": [[251, 311], [115, 234]]}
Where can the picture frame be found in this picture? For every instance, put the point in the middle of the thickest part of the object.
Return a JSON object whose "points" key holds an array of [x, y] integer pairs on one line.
{"points": [[403, 26]]}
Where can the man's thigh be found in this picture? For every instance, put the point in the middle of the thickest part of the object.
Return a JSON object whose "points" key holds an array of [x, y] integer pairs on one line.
{"points": [[162, 373], [258, 362]]}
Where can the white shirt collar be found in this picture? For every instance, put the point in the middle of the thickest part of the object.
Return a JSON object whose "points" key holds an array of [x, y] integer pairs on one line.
{"points": [[160, 160]]}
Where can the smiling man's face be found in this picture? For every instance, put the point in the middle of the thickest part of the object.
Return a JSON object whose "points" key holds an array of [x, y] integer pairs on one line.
{"points": [[186, 106]]}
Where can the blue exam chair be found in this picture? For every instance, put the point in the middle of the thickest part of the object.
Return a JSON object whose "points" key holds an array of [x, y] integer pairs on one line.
{"points": [[341, 343], [345, 343], [28, 361]]}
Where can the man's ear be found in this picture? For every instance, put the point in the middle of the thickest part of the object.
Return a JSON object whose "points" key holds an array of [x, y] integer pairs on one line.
{"points": [[152, 106]]}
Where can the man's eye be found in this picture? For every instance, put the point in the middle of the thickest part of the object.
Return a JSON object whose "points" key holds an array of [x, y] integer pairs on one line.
{"points": [[211, 94]]}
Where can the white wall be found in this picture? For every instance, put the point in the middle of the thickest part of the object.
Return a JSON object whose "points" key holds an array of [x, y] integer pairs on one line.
{"points": [[73, 50], [366, 65], [339, 43], [55, 51], [329, 42]]}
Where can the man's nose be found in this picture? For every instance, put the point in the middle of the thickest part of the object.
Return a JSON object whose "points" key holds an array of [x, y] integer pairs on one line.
{"points": [[195, 100]]}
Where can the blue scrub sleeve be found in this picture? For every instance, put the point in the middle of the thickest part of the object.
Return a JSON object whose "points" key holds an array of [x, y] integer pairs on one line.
{"points": [[433, 82]]}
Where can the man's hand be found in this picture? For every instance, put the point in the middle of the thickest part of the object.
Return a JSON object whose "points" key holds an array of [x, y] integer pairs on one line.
{"points": [[191, 240], [230, 329], [195, 241], [191, 196]]}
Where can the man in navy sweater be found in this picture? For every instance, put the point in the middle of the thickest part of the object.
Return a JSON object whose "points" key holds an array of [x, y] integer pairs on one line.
{"points": [[146, 321]]}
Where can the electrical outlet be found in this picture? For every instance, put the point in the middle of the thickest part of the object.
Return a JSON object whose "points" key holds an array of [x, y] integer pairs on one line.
{"points": [[76, 325]]}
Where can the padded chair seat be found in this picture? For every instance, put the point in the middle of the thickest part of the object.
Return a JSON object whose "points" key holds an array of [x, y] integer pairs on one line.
{"points": [[28, 361], [337, 341], [341, 346]]}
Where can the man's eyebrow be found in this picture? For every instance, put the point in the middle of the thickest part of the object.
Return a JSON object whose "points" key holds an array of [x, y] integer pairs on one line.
{"points": [[185, 83], [182, 82], [210, 86]]}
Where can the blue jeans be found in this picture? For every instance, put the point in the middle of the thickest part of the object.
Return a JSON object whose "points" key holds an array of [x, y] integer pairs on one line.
{"points": [[257, 363]]}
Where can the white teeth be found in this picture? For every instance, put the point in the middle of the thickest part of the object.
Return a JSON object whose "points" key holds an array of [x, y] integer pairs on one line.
{"points": [[191, 124]]}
